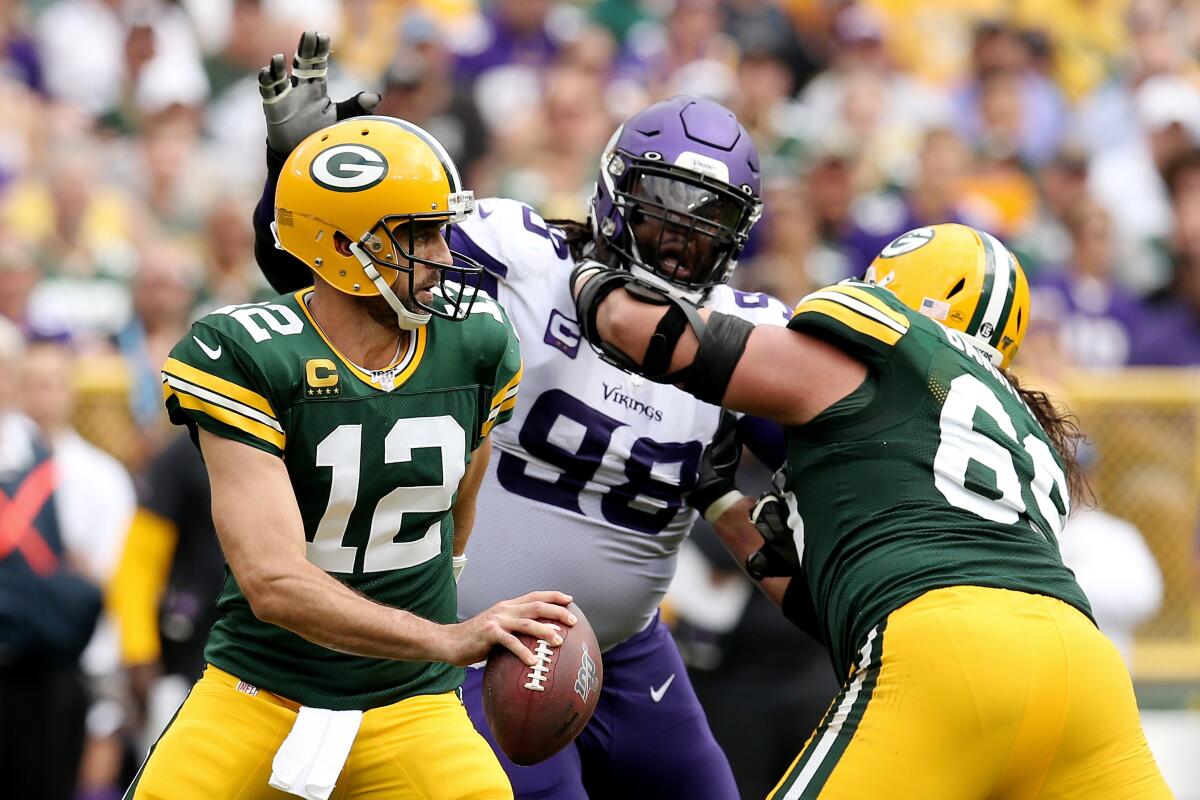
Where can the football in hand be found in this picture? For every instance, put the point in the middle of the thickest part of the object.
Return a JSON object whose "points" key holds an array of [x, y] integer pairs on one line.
{"points": [[535, 711]]}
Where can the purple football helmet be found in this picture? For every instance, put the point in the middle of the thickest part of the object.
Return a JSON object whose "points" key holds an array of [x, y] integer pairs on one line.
{"points": [[677, 195]]}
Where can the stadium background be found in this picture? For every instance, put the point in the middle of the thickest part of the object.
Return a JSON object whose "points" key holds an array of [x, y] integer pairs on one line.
{"points": [[131, 155]]}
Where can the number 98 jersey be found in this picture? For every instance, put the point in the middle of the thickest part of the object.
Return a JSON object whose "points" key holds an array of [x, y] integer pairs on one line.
{"points": [[932, 473], [374, 459], [586, 491]]}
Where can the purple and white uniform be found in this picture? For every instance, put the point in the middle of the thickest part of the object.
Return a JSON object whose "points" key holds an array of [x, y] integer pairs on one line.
{"points": [[585, 494]]}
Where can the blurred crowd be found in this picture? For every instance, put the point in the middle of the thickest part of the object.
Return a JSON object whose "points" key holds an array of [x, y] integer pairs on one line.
{"points": [[131, 155]]}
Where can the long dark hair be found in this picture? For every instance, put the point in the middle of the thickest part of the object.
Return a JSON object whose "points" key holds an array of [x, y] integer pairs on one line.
{"points": [[1062, 429], [579, 236]]}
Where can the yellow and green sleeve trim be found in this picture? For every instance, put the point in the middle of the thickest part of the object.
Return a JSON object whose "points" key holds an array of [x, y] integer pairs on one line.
{"points": [[223, 401], [853, 311], [503, 402]]}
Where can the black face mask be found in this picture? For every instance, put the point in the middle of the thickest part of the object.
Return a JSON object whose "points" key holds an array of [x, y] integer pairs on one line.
{"points": [[684, 228], [457, 282]]}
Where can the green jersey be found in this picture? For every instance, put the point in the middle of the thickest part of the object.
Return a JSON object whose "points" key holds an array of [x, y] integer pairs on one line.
{"points": [[932, 473], [375, 460]]}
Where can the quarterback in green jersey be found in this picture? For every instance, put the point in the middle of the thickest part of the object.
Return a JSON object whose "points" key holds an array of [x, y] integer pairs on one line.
{"points": [[925, 490], [345, 432]]}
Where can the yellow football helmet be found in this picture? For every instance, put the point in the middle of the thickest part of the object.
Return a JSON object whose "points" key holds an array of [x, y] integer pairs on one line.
{"points": [[963, 278], [367, 179]]}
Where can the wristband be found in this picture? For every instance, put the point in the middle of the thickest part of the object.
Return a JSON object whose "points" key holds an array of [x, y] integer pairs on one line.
{"points": [[722, 504], [457, 564]]}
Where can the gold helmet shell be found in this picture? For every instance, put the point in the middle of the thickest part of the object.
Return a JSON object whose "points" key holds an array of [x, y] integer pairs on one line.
{"points": [[962, 277], [363, 179]]}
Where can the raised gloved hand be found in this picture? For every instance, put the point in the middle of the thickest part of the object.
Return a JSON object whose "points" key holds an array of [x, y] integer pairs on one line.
{"points": [[298, 104], [779, 555], [716, 491]]}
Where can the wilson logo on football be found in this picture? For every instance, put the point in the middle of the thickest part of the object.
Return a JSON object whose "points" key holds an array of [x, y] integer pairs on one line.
{"points": [[907, 242], [349, 168]]}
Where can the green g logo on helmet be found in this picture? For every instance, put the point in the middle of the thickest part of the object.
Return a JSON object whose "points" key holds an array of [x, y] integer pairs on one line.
{"points": [[349, 168]]}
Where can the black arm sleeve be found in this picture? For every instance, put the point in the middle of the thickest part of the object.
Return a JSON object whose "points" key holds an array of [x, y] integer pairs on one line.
{"points": [[283, 271], [799, 609]]}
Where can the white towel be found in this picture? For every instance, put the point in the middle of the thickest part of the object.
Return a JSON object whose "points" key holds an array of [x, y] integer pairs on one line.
{"points": [[311, 758]]}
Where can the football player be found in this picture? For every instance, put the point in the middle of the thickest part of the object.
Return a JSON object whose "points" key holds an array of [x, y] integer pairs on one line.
{"points": [[592, 482], [345, 429], [925, 490]]}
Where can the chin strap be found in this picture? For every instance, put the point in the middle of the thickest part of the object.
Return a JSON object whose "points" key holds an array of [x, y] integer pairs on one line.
{"points": [[408, 320]]}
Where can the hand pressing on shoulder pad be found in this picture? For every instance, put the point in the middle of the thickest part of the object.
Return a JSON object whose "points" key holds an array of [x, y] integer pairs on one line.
{"points": [[298, 104]]}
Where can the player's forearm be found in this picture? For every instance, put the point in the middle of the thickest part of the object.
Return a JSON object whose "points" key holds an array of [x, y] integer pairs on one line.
{"points": [[305, 600], [741, 539], [283, 271], [630, 324]]}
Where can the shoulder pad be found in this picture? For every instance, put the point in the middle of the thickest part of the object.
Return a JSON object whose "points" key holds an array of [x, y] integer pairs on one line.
{"points": [[857, 316], [251, 323], [759, 308], [511, 240]]}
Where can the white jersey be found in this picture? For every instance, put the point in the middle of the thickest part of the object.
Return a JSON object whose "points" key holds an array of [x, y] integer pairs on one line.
{"points": [[585, 490]]}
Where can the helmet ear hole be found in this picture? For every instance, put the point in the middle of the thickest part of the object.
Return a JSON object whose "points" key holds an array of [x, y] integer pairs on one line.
{"points": [[341, 243], [1019, 310], [958, 287]]}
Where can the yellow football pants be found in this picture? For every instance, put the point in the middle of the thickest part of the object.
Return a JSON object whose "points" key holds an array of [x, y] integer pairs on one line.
{"points": [[222, 741], [969, 693]]}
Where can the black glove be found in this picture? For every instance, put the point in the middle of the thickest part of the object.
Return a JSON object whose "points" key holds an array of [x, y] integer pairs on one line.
{"points": [[716, 489], [298, 104], [778, 556]]}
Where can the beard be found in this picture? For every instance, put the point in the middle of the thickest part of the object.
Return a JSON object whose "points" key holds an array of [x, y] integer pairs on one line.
{"points": [[380, 312]]}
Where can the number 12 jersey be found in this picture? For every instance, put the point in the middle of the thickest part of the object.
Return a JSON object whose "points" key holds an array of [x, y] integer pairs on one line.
{"points": [[374, 458]]}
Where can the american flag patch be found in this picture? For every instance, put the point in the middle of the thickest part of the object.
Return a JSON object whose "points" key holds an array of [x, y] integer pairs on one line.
{"points": [[246, 688], [935, 309]]}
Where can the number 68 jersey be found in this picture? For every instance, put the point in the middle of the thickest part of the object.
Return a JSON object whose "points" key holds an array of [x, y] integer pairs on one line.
{"points": [[374, 459], [586, 490]]}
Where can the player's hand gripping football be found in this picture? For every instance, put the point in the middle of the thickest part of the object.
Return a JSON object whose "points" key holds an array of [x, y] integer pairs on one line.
{"points": [[536, 613], [778, 556], [298, 104]]}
